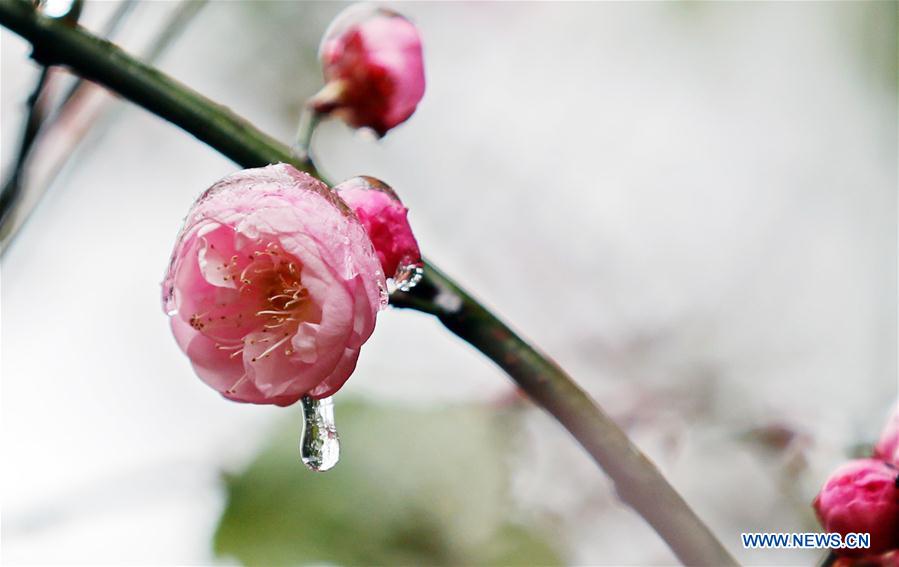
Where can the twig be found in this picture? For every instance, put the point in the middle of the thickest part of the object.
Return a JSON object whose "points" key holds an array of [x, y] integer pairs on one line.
{"points": [[38, 111], [637, 480], [80, 112], [104, 63], [309, 120], [174, 26]]}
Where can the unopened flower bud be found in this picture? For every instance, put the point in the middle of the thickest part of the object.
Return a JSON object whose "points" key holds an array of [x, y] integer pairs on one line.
{"points": [[372, 64], [888, 559], [384, 217], [862, 496]]}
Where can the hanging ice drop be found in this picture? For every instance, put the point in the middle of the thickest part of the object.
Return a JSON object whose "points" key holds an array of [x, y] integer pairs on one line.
{"points": [[319, 443], [408, 273]]}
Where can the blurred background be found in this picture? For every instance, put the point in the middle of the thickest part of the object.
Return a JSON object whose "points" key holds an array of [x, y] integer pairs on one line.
{"points": [[690, 206]]}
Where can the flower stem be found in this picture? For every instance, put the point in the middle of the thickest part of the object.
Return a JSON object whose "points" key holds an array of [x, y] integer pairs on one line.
{"points": [[309, 119], [638, 482]]}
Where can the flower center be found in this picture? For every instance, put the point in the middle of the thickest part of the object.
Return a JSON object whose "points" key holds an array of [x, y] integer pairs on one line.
{"points": [[274, 275], [271, 290]]}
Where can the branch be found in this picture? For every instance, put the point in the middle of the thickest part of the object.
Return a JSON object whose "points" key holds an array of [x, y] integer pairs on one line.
{"points": [[77, 114], [104, 63], [638, 482]]}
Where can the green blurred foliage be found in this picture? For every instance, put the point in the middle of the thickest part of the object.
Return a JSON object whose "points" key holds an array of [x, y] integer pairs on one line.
{"points": [[413, 487]]}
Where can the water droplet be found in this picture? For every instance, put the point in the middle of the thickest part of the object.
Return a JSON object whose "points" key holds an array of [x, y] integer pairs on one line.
{"points": [[383, 295], [408, 274], [55, 8], [168, 298], [319, 444]]}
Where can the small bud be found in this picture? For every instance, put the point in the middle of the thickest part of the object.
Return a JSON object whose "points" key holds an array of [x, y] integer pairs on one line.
{"points": [[862, 496], [383, 215], [372, 64], [887, 447]]}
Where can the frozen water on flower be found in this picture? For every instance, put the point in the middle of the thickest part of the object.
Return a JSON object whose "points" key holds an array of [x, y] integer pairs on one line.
{"points": [[408, 274], [319, 444], [168, 299], [383, 295]]}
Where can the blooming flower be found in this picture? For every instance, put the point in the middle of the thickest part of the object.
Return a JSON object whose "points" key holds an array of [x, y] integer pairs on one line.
{"points": [[373, 69], [887, 447], [862, 496], [384, 217], [273, 287]]}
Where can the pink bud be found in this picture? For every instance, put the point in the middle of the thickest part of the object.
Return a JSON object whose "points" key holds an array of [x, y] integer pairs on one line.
{"points": [[273, 287], [862, 496], [373, 68], [888, 559], [887, 447], [384, 217]]}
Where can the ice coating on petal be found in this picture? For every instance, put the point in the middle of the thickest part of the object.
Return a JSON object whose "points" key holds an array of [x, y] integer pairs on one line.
{"points": [[375, 56], [862, 496], [386, 221], [273, 279]]}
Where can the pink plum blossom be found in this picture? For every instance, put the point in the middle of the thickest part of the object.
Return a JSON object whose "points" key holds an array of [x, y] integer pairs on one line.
{"points": [[373, 68], [273, 287], [862, 496], [385, 219], [887, 447]]}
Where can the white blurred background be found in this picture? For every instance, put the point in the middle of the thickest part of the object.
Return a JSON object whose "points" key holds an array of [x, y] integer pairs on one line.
{"points": [[691, 207]]}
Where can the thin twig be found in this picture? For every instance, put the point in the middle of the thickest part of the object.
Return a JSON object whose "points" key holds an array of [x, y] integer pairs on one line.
{"points": [[309, 120], [106, 64], [638, 481], [174, 26], [81, 111], [38, 111]]}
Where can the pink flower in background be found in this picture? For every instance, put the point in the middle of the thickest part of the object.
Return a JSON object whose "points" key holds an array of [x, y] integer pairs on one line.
{"points": [[888, 559], [383, 215], [273, 287], [887, 447], [373, 69], [862, 496]]}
